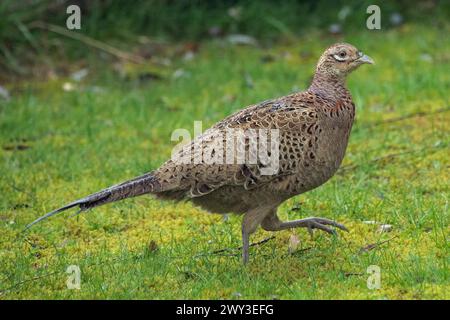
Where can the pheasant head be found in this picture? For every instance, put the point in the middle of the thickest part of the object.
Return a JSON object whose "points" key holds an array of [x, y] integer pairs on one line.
{"points": [[339, 60]]}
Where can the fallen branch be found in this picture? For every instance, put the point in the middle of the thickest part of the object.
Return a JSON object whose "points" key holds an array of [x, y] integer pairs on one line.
{"points": [[88, 41]]}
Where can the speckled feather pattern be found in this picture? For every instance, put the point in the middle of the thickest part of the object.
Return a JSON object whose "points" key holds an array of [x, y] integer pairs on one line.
{"points": [[313, 131], [314, 128]]}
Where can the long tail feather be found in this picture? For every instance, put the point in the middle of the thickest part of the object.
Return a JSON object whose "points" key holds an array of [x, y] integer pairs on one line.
{"points": [[52, 213], [131, 188]]}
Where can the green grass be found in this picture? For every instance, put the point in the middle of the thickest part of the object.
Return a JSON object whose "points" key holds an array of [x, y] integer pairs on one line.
{"points": [[110, 129]]}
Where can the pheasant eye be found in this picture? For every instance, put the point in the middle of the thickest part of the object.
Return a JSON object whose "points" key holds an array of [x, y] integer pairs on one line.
{"points": [[340, 56]]}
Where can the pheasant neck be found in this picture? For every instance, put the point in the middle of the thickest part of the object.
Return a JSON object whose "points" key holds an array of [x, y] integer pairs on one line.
{"points": [[329, 86]]}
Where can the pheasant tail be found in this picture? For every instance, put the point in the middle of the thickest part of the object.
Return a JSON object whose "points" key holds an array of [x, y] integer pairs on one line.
{"points": [[146, 183]]}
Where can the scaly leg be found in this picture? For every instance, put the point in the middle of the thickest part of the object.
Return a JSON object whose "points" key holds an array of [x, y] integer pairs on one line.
{"points": [[252, 219], [273, 223], [245, 246]]}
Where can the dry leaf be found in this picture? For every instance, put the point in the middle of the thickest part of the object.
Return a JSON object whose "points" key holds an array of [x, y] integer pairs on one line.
{"points": [[293, 243]]}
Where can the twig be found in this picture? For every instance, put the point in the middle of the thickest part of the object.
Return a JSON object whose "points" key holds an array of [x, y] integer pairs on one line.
{"points": [[375, 245], [409, 116], [239, 248], [88, 41], [13, 186], [349, 274], [346, 168], [252, 244], [18, 284], [300, 251]]}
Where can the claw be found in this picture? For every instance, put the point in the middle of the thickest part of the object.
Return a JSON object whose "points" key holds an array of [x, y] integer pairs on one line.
{"points": [[317, 225], [320, 223], [309, 224], [331, 222]]}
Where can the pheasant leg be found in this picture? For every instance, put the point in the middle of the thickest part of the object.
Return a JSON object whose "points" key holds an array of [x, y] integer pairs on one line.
{"points": [[245, 246], [250, 222], [272, 223]]}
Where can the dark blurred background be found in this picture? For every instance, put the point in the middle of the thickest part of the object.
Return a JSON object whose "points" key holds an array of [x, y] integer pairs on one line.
{"points": [[27, 37]]}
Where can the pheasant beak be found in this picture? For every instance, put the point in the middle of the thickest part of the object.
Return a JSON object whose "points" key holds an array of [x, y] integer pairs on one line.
{"points": [[365, 59]]}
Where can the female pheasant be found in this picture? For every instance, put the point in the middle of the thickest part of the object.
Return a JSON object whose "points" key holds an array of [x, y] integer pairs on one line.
{"points": [[310, 132]]}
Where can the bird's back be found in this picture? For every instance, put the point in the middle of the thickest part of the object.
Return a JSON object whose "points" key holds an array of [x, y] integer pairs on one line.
{"points": [[313, 131]]}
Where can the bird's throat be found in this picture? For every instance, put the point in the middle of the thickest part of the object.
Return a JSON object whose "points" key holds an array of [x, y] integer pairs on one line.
{"points": [[328, 85]]}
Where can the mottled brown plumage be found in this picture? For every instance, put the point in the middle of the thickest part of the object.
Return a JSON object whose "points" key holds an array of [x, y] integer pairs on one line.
{"points": [[313, 130]]}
